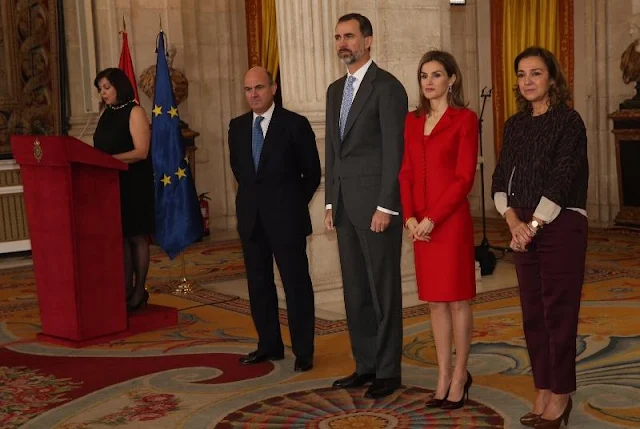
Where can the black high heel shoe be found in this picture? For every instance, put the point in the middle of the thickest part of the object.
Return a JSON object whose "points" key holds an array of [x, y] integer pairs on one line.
{"points": [[451, 405], [435, 402], [530, 419], [555, 424], [142, 302]]}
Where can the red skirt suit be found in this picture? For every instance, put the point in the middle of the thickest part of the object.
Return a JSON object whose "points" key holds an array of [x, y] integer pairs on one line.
{"points": [[436, 176]]}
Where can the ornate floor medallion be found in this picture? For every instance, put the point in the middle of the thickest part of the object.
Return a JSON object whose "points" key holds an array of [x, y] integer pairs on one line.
{"points": [[348, 409]]}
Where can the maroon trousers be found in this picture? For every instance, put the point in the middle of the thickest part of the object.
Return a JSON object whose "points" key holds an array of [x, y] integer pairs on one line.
{"points": [[550, 275]]}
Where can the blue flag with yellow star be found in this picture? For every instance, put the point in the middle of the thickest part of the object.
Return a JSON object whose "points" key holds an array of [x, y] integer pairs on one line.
{"points": [[178, 218]]}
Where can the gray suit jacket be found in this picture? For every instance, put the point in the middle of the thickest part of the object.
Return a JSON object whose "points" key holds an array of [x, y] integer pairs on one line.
{"points": [[364, 167]]}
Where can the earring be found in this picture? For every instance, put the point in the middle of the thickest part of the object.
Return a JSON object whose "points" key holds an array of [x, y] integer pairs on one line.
{"points": [[450, 88]]}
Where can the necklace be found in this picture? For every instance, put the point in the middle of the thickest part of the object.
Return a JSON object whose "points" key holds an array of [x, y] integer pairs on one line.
{"points": [[533, 113], [120, 106]]}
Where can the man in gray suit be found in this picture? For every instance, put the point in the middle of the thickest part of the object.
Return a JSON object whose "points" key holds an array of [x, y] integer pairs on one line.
{"points": [[364, 145]]}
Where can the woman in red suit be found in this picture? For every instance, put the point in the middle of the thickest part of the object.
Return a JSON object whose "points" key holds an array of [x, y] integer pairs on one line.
{"points": [[439, 165]]}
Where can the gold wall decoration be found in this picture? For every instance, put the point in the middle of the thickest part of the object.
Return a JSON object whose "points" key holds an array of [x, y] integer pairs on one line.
{"points": [[253, 11], [179, 82], [29, 70]]}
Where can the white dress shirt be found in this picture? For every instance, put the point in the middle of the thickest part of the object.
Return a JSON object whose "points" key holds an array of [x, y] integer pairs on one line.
{"points": [[359, 75], [267, 119]]}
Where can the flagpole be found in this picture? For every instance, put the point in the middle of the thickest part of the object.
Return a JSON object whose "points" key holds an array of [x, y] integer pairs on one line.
{"points": [[185, 285], [176, 196]]}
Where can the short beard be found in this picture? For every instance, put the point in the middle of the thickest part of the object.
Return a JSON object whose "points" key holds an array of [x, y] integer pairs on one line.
{"points": [[354, 57]]}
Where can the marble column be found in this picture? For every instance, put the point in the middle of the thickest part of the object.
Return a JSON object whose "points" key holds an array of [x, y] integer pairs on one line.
{"points": [[214, 35], [308, 64], [82, 66], [601, 35], [464, 37]]}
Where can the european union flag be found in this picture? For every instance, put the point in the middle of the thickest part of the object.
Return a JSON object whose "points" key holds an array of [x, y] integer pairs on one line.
{"points": [[178, 219]]}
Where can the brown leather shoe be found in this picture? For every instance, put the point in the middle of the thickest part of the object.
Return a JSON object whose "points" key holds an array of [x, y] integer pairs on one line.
{"points": [[529, 419]]}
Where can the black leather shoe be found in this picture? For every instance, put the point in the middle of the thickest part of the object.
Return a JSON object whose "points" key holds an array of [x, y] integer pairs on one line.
{"points": [[303, 364], [258, 357], [382, 387], [354, 380]]}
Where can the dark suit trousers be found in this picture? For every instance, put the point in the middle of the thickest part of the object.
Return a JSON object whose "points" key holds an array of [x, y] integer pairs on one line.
{"points": [[372, 288], [550, 275], [291, 258]]}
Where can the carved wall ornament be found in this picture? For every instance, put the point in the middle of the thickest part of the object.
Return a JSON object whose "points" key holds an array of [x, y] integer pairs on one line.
{"points": [[179, 82], [37, 150], [29, 70], [630, 64]]}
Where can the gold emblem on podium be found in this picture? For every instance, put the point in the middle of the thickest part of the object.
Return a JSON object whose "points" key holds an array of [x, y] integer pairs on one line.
{"points": [[37, 150]]}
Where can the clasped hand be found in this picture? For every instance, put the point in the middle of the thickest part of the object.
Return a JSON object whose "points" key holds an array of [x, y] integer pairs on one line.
{"points": [[419, 231], [521, 235]]}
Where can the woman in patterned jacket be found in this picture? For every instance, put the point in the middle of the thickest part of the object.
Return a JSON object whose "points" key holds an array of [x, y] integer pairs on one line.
{"points": [[540, 188]]}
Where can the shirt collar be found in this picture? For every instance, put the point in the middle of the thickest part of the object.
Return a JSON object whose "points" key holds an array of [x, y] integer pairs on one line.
{"points": [[359, 74], [266, 115]]}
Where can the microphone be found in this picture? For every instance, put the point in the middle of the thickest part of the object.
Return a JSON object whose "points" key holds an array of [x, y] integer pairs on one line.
{"points": [[488, 93]]}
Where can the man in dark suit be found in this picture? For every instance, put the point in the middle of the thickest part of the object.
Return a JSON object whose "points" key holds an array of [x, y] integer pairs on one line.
{"points": [[275, 161], [364, 146]]}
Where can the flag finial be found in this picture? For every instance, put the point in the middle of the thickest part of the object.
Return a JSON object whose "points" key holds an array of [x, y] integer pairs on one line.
{"points": [[124, 24]]}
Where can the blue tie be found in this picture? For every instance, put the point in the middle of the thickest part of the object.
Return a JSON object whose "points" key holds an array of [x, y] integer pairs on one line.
{"points": [[347, 100], [257, 141]]}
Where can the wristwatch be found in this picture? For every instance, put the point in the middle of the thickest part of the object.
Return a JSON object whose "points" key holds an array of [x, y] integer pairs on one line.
{"points": [[534, 226]]}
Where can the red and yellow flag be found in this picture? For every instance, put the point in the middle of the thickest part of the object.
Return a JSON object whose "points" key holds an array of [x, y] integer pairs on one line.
{"points": [[126, 64]]}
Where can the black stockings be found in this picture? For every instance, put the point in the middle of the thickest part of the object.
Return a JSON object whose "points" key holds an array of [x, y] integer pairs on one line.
{"points": [[136, 266]]}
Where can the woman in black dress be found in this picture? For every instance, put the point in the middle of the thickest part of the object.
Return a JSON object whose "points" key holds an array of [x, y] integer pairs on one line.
{"points": [[123, 131]]}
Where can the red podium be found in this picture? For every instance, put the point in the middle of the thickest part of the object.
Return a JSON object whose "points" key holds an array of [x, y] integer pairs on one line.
{"points": [[71, 194]]}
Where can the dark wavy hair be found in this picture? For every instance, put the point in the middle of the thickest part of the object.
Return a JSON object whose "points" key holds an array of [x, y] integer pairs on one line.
{"points": [[558, 89], [456, 96], [119, 80]]}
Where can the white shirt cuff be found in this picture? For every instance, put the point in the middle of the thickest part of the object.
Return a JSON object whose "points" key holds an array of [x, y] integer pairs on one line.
{"points": [[387, 211], [547, 210], [382, 209], [500, 200]]}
